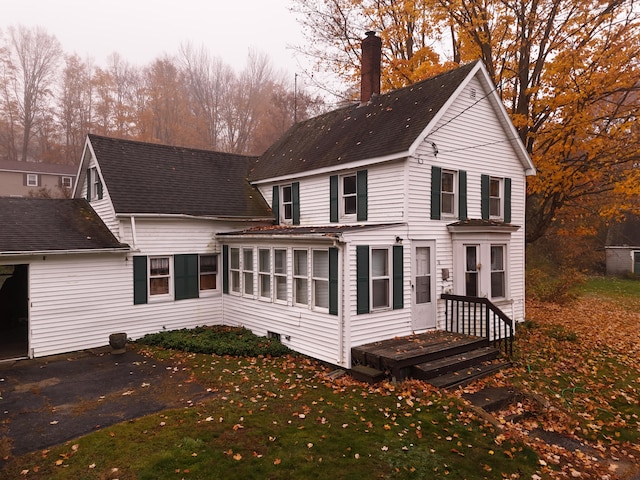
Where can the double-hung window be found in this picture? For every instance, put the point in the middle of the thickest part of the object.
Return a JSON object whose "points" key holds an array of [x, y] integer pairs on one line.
{"points": [[287, 204], [32, 179], [320, 278], [280, 274], [448, 192], [300, 277], [208, 270], [380, 280], [497, 271], [234, 268], [264, 273], [66, 182], [495, 197], [247, 271], [159, 276], [349, 195]]}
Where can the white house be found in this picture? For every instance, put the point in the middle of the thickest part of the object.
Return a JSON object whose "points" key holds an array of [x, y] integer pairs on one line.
{"points": [[348, 230]]}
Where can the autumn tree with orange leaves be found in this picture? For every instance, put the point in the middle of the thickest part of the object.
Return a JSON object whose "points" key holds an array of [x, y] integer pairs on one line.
{"points": [[565, 69]]}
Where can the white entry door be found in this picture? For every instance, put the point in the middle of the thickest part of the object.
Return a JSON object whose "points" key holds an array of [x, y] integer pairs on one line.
{"points": [[423, 301]]}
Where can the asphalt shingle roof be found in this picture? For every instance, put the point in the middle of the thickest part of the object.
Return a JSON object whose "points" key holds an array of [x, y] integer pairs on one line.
{"points": [[47, 224], [388, 124], [161, 179]]}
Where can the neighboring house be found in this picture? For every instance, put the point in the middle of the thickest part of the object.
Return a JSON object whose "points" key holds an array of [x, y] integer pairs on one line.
{"points": [[623, 247], [23, 179], [346, 231]]}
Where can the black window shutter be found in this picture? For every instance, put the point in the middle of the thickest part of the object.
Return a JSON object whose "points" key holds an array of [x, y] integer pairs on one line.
{"points": [[462, 196], [333, 198], [88, 184], [295, 200], [398, 277], [362, 200], [436, 186], [507, 200], [275, 203], [99, 186], [333, 281], [362, 278], [139, 280], [225, 269], [185, 268], [484, 196]]}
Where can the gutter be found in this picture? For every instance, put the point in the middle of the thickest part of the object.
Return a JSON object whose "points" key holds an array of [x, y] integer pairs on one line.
{"points": [[321, 236], [194, 217], [64, 252]]}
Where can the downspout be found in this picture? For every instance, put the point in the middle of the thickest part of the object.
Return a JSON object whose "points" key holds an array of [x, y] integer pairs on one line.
{"points": [[134, 236], [343, 313]]}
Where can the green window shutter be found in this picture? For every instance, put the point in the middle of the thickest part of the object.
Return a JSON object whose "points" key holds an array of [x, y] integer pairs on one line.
{"points": [[436, 186], [89, 184], [398, 277], [333, 281], [139, 280], [295, 200], [362, 207], [362, 278], [185, 274], [275, 203], [484, 196], [225, 269], [507, 200], [333, 198], [462, 195]]}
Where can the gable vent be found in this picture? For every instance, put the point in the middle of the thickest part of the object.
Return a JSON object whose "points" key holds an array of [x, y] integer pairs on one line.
{"points": [[472, 93]]}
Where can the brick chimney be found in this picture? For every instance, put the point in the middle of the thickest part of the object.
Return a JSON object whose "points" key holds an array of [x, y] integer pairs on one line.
{"points": [[370, 70]]}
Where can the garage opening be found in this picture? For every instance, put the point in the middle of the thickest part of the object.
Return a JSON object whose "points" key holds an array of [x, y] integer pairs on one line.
{"points": [[14, 311]]}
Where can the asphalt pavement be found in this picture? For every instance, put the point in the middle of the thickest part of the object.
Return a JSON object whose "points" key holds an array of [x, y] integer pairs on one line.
{"points": [[48, 401]]}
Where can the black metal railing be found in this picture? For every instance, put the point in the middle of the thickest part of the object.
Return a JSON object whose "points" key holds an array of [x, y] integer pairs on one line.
{"points": [[479, 317]]}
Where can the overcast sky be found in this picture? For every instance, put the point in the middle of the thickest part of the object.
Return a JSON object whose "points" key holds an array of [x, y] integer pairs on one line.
{"points": [[142, 30]]}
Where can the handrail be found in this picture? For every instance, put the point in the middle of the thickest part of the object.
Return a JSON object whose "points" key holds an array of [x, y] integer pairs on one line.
{"points": [[479, 317]]}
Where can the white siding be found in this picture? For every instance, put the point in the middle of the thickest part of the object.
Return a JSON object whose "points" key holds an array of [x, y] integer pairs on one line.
{"points": [[385, 191], [468, 137], [76, 302]]}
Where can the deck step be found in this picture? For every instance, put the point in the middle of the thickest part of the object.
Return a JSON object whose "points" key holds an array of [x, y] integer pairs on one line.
{"points": [[366, 374], [441, 366], [465, 376]]}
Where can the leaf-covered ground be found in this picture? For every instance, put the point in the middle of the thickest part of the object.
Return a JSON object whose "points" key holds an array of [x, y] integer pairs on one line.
{"points": [[584, 360]]}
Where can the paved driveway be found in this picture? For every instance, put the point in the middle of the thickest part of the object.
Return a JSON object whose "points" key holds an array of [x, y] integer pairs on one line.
{"points": [[48, 401]]}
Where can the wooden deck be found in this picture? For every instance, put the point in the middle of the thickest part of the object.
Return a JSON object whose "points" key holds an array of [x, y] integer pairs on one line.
{"points": [[413, 355]]}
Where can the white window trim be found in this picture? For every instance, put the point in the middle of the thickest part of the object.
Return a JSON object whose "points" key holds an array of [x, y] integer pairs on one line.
{"points": [[216, 273], [315, 279], [283, 217], [245, 272], [162, 297], [386, 277], [284, 275], [265, 273], [500, 197], [301, 275], [504, 270], [66, 180], [484, 243], [32, 179], [237, 270], [342, 195], [454, 193]]}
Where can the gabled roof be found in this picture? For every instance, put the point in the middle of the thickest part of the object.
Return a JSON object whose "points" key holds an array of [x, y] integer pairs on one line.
{"points": [[387, 125], [37, 225], [148, 178], [38, 167], [625, 233]]}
